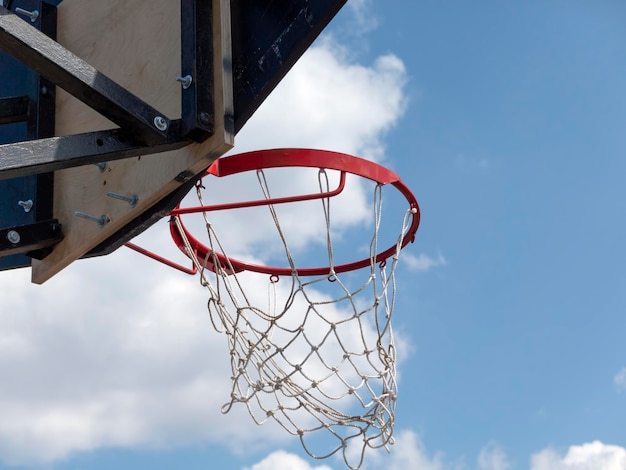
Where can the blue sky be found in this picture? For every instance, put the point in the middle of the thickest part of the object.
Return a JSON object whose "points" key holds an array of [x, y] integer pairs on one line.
{"points": [[506, 119]]}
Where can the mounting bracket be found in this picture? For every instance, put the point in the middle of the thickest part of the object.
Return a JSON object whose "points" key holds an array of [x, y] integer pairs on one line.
{"points": [[35, 240], [142, 129]]}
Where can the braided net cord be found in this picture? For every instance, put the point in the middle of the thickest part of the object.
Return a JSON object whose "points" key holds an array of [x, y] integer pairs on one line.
{"points": [[316, 355]]}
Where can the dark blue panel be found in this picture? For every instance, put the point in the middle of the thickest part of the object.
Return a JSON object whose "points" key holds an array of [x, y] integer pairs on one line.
{"points": [[15, 82]]}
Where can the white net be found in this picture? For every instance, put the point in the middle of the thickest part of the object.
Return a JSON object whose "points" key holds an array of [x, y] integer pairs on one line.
{"points": [[316, 355]]}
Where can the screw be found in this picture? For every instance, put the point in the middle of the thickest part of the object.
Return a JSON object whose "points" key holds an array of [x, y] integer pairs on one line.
{"points": [[26, 205], [160, 123], [101, 221], [13, 237], [132, 200], [205, 118], [33, 15], [101, 166], [185, 81]]}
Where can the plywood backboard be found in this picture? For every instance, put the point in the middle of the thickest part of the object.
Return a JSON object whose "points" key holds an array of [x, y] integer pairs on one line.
{"points": [[137, 44]]}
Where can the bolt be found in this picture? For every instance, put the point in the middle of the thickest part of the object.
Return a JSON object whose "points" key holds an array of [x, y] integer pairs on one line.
{"points": [[33, 15], [132, 200], [160, 123], [101, 166], [205, 118], [26, 205], [185, 81], [13, 237], [101, 221]]}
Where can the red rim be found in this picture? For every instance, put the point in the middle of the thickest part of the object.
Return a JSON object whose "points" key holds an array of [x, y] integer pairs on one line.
{"points": [[291, 158]]}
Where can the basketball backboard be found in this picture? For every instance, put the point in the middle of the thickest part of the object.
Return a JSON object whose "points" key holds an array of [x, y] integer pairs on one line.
{"points": [[147, 97]]}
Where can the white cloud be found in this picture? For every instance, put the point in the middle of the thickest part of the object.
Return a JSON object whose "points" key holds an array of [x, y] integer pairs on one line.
{"points": [[423, 262], [111, 361], [281, 460], [408, 453], [620, 380], [493, 457], [362, 11], [322, 104], [590, 456], [119, 351]]}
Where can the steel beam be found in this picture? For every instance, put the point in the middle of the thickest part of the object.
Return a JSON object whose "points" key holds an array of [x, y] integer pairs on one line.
{"points": [[57, 153], [77, 77], [197, 69], [34, 238]]}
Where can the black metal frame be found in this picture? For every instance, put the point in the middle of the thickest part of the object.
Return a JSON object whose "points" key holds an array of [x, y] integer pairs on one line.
{"points": [[198, 122], [268, 37], [35, 239], [142, 129]]}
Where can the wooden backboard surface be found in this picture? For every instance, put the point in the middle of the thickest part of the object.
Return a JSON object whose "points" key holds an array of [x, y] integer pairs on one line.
{"points": [[137, 44]]}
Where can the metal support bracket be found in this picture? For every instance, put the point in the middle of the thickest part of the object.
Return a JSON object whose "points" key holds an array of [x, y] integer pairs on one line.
{"points": [[143, 129], [197, 69], [48, 58], [58, 153], [33, 239]]}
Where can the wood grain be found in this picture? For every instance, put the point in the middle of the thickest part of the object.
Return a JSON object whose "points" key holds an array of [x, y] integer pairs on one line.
{"points": [[137, 44]]}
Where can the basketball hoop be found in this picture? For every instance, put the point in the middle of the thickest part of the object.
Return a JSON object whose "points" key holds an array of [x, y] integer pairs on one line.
{"points": [[318, 357]]}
